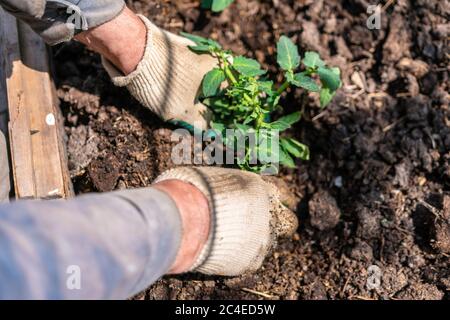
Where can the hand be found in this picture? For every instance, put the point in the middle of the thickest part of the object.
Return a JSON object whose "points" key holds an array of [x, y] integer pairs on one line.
{"points": [[246, 218], [168, 78]]}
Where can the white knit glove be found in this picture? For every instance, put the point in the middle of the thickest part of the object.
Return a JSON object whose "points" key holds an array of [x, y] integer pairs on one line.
{"points": [[168, 79], [247, 218]]}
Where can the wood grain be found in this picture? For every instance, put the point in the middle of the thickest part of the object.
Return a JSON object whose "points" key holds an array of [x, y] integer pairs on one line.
{"points": [[19, 125], [39, 163]]}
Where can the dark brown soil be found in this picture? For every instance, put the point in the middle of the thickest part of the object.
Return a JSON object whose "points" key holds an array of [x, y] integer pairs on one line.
{"points": [[377, 189]]}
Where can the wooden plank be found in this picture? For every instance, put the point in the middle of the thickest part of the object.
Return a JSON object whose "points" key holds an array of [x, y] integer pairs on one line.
{"points": [[47, 144], [19, 125], [39, 161], [4, 117]]}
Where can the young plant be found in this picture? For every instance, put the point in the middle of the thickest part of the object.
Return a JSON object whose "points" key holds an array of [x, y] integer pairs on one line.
{"points": [[216, 5], [248, 100]]}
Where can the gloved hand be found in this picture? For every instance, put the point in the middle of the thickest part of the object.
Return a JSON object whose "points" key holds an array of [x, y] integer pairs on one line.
{"points": [[247, 217], [168, 79]]}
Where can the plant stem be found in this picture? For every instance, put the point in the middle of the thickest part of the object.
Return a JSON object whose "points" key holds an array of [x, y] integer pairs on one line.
{"points": [[230, 74], [233, 80], [283, 87], [259, 121], [246, 97]]}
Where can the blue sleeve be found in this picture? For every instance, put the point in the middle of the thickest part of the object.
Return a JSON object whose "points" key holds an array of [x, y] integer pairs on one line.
{"points": [[105, 246], [57, 21]]}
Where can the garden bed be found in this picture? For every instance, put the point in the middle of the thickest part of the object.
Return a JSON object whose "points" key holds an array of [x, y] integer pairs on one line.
{"points": [[376, 190]]}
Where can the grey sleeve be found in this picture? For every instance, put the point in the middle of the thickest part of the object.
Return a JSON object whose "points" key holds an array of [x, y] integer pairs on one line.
{"points": [[105, 246], [57, 21]]}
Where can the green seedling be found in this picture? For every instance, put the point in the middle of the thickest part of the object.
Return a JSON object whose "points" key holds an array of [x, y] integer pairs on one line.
{"points": [[216, 5], [249, 99]]}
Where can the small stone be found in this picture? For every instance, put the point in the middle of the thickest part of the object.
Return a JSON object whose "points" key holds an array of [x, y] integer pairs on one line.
{"points": [[421, 181], [369, 224], [418, 68], [401, 175], [362, 251], [82, 148], [442, 228], [359, 80], [324, 211]]}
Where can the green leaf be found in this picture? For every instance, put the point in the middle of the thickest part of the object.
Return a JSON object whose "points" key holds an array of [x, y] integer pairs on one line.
{"points": [[313, 60], [249, 119], [214, 44], [336, 71], [265, 145], [330, 77], [291, 118], [288, 56], [266, 86], [248, 67], [326, 95], [197, 39], [295, 148], [303, 81], [286, 122], [219, 127], [206, 4], [216, 102], [278, 125], [243, 128], [202, 44], [273, 100], [203, 48], [286, 159], [216, 5], [212, 82], [217, 130]]}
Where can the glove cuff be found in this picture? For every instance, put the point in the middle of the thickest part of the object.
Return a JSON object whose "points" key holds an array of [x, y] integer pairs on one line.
{"points": [[141, 82], [168, 77]]}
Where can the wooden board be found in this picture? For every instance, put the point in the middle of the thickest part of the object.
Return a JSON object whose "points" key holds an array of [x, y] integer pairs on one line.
{"points": [[19, 127], [39, 164]]}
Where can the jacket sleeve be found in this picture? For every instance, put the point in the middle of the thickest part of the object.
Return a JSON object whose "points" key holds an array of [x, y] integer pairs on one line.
{"points": [[57, 21], [105, 246]]}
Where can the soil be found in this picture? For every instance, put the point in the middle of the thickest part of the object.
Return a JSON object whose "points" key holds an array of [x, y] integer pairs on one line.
{"points": [[376, 191]]}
